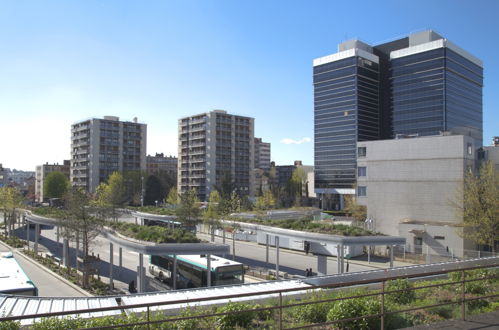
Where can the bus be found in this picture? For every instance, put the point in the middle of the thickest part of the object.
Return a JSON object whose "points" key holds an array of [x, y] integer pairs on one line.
{"points": [[13, 279], [192, 270]]}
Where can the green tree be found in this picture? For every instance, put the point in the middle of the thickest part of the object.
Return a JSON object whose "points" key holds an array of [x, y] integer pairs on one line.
{"points": [[225, 186], [10, 201], [480, 206], [134, 183], [188, 211], [358, 212], [266, 201], [172, 198], [55, 185], [297, 184], [80, 221], [154, 190], [211, 216], [112, 195]]}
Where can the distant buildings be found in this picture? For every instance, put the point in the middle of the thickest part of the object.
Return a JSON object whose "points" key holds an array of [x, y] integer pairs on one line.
{"points": [[262, 154], [419, 85], [100, 147], [41, 173], [3, 176], [160, 163], [213, 147]]}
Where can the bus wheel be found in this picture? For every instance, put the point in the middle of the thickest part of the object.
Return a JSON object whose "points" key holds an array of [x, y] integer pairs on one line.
{"points": [[161, 276]]}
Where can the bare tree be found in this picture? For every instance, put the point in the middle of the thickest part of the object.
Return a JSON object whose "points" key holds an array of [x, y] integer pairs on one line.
{"points": [[80, 221]]}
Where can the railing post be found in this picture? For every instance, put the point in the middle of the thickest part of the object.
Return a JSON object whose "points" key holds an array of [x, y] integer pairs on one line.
{"points": [[148, 319], [463, 305], [382, 305], [280, 310]]}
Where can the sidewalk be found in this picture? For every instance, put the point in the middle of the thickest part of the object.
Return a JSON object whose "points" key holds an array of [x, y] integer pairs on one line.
{"points": [[47, 282]]}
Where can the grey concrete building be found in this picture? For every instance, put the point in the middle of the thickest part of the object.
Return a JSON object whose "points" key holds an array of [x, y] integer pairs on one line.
{"points": [[262, 154], [41, 173], [213, 146], [411, 188], [100, 147]]}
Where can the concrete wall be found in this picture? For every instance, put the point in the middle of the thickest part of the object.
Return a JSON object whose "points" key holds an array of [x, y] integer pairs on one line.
{"points": [[416, 181]]}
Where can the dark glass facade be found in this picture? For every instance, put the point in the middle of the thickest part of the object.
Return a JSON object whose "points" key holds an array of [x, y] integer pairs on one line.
{"points": [[419, 93], [435, 91], [346, 111]]}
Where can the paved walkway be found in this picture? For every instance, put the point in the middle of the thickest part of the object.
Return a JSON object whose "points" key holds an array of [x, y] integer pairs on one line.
{"points": [[47, 282], [487, 321]]}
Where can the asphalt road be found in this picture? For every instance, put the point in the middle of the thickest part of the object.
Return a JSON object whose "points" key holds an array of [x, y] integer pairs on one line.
{"points": [[248, 253]]}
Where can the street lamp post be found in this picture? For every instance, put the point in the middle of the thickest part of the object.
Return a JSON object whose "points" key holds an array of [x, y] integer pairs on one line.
{"points": [[141, 191]]}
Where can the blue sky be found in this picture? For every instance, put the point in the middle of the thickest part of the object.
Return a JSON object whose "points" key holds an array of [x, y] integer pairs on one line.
{"points": [[64, 61]]}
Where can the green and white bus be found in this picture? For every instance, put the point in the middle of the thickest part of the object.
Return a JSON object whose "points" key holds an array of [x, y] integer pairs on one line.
{"points": [[192, 270]]}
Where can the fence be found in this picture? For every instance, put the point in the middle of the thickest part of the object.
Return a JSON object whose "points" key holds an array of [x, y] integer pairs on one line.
{"points": [[376, 278], [426, 254]]}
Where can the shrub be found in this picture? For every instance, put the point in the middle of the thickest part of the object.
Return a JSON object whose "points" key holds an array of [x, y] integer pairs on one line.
{"points": [[313, 312], [190, 324], [9, 325], [475, 287], [350, 308], [243, 318], [402, 297]]}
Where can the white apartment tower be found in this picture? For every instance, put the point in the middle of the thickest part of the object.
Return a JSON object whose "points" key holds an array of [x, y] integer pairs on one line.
{"points": [[100, 147], [213, 146]]}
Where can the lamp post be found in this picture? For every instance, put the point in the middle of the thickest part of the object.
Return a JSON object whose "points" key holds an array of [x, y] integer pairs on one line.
{"points": [[142, 191]]}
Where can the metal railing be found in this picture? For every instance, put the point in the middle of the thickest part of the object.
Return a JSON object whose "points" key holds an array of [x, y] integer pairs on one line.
{"points": [[376, 283]]}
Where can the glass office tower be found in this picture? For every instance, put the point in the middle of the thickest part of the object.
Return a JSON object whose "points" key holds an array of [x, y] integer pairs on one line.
{"points": [[417, 85], [346, 111], [436, 87]]}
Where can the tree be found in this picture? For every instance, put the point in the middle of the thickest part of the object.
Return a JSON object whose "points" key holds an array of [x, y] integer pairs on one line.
{"points": [[154, 190], [10, 200], [55, 185], [211, 215], [480, 206], [297, 182], [112, 195], [358, 212], [187, 211], [81, 222], [173, 198], [266, 201], [134, 183], [225, 186]]}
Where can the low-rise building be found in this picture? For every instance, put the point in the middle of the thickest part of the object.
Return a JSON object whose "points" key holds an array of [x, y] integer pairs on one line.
{"points": [[160, 162], [41, 173], [411, 188]]}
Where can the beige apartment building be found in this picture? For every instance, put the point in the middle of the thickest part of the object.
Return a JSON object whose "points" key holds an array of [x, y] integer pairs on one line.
{"points": [[100, 147], [213, 146], [41, 173]]}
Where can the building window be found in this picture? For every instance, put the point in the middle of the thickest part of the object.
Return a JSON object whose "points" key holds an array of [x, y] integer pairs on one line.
{"points": [[361, 152], [469, 149], [361, 191], [439, 237], [361, 171]]}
